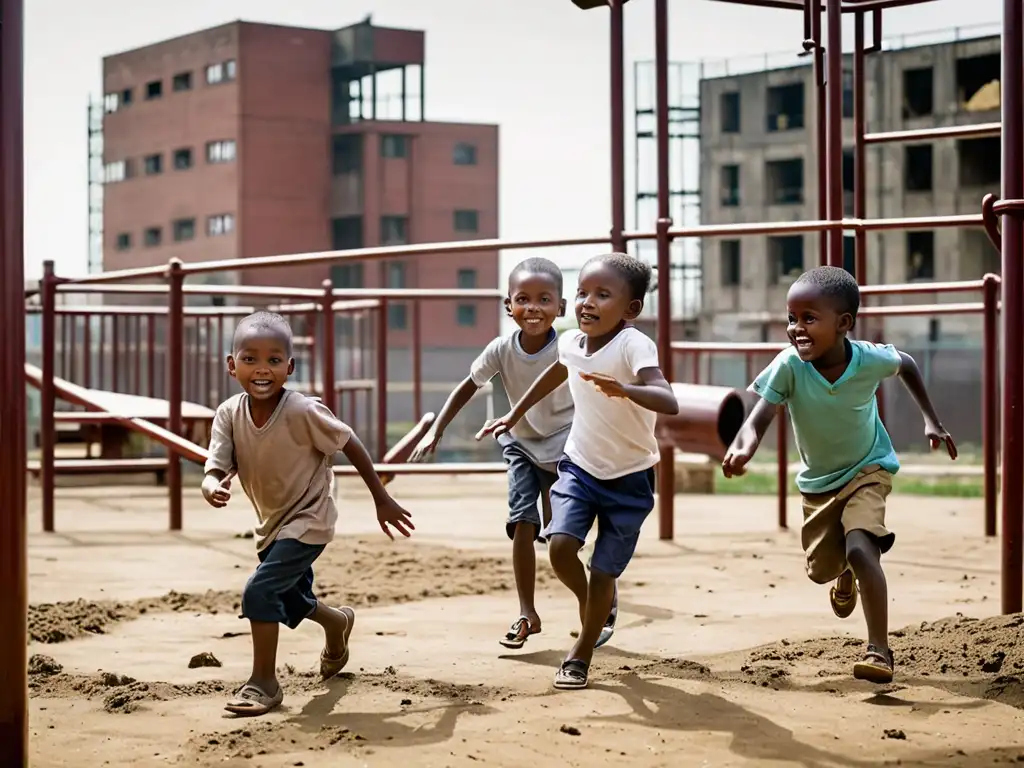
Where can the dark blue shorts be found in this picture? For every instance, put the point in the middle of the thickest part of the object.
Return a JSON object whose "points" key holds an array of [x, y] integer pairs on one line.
{"points": [[280, 591], [620, 507], [526, 483]]}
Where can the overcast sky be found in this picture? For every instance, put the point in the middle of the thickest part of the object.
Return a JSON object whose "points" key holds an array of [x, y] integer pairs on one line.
{"points": [[538, 68]]}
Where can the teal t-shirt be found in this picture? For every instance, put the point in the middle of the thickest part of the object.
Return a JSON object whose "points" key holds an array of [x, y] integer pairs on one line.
{"points": [[837, 428]]}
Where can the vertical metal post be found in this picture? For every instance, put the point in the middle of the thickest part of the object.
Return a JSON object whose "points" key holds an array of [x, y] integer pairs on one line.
{"points": [[782, 470], [990, 399], [417, 360], [13, 560], [47, 393], [618, 117], [860, 160], [820, 134], [1013, 307], [115, 355], [175, 371], [382, 379], [834, 128], [328, 395], [137, 350], [87, 350], [151, 353], [222, 378]]}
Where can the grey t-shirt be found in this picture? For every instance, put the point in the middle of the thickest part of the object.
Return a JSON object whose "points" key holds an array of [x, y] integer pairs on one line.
{"points": [[284, 467], [542, 432]]}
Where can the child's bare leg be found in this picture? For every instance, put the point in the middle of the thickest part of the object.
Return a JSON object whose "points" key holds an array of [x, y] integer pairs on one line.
{"points": [[564, 553], [264, 656], [524, 566], [545, 508], [598, 605], [864, 556]]}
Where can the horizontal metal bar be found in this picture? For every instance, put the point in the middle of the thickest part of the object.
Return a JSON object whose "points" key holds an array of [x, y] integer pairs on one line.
{"points": [[913, 310], [93, 310], [927, 134], [863, 6], [447, 468], [962, 286], [728, 346], [419, 293], [249, 291]]}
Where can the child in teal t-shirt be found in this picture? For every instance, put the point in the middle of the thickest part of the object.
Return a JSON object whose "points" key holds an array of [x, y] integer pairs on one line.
{"points": [[828, 382]]}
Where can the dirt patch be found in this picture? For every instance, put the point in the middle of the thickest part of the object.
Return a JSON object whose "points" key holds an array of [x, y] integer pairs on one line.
{"points": [[357, 572]]}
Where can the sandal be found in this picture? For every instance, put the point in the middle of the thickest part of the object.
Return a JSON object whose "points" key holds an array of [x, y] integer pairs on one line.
{"points": [[251, 701], [843, 596], [518, 633], [609, 624], [330, 667], [876, 666], [572, 675]]}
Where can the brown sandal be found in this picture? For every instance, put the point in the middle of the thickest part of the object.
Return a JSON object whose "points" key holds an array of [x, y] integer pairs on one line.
{"points": [[876, 666], [330, 667], [518, 633], [843, 596]]}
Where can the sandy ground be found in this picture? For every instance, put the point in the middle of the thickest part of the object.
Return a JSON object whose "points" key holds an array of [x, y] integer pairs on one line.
{"points": [[725, 655]]}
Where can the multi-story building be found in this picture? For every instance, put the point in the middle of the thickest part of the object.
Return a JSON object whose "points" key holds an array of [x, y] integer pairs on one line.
{"points": [[250, 140]]}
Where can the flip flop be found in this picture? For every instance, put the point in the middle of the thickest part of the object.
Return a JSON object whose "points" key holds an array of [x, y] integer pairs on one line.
{"points": [[250, 701], [330, 667], [515, 638], [843, 595], [572, 675], [876, 666]]}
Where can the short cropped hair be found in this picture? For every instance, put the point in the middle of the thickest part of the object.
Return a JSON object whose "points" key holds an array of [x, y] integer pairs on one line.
{"points": [[539, 266], [837, 284], [263, 324], [636, 273]]}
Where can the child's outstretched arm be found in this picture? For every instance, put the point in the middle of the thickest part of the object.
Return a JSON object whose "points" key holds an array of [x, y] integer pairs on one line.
{"points": [[747, 440], [546, 383], [388, 510], [456, 401], [911, 377], [653, 392]]}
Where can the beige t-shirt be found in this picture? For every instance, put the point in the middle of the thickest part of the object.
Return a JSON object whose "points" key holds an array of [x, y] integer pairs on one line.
{"points": [[284, 467]]}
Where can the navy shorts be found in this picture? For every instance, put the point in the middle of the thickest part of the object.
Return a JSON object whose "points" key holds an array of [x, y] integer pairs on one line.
{"points": [[620, 507], [280, 591], [526, 483]]}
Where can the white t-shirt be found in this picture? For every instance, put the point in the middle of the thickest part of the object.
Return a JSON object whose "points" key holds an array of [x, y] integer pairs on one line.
{"points": [[610, 436]]}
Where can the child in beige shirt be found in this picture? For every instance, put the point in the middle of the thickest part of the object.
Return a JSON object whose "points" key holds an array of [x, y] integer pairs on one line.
{"points": [[280, 445]]}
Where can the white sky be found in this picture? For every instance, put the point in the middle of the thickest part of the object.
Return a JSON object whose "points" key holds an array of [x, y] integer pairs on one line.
{"points": [[538, 68]]}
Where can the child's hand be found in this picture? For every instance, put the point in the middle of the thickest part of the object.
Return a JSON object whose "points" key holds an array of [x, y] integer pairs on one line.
{"points": [[497, 427], [735, 462], [606, 384], [936, 434], [390, 513], [217, 492], [426, 446]]}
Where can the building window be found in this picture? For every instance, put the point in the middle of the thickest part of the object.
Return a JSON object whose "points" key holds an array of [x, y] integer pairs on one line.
{"points": [[466, 279], [222, 72], [221, 224], [119, 170], [394, 145], [850, 254], [394, 230], [464, 154], [785, 107], [346, 153], [182, 81], [918, 92], [394, 275], [398, 317], [785, 180], [184, 229], [154, 164], [980, 162], [466, 221], [347, 233], [152, 236], [920, 256], [917, 167], [127, 97], [182, 159], [731, 112], [465, 315], [847, 93], [111, 102], [977, 82], [730, 186], [222, 151], [155, 89], [786, 257], [730, 251], [124, 241], [347, 275]]}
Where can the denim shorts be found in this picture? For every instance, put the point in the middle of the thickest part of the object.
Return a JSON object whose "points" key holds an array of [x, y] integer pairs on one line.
{"points": [[280, 591], [619, 506], [526, 483]]}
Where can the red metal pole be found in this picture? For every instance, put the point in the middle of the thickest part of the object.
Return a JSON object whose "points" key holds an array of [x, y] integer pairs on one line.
{"points": [[860, 192], [1013, 308], [101, 362], [834, 126], [14, 559], [618, 117], [175, 366], [819, 126], [87, 351], [210, 350], [417, 361], [666, 462], [382, 379], [115, 355], [990, 400], [782, 470], [47, 393], [327, 311], [137, 353], [151, 353], [222, 380]]}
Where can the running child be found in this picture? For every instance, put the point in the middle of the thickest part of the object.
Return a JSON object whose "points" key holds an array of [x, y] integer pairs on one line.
{"points": [[533, 448], [607, 472], [280, 444], [828, 382]]}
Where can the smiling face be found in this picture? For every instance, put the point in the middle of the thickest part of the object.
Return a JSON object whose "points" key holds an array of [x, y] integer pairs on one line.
{"points": [[816, 324], [603, 300], [261, 363], [534, 301]]}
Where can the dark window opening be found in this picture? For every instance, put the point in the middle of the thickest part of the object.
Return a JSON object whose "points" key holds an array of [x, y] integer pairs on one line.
{"points": [[731, 112], [466, 221], [466, 279], [154, 164], [730, 252], [847, 93], [917, 167], [730, 186], [124, 241], [347, 276], [786, 107], [184, 229], [398, 317], [850, 254], [980, 161], [182, 159], [347, 153], [464, 154], [394, 145], [347, 233], [182, 81], [126, 97], [155, 89], [785, 181], [920, 255], [977, 82], [152, 236], [394, 230], [786, 257], [465, 315], [848, 170], [918, 92]]}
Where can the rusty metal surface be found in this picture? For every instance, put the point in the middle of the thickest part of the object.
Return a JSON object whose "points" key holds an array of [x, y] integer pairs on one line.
{"points": [[709, 419]]}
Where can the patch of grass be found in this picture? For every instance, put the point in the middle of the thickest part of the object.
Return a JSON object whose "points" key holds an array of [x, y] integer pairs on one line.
{"points": [[766, 484]]}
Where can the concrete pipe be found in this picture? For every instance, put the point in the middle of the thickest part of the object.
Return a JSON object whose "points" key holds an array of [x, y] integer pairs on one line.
{"points": [[708, 420]]}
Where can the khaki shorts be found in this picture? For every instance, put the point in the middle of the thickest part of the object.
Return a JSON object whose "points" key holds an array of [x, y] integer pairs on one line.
{"points": [[829, 517]]}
